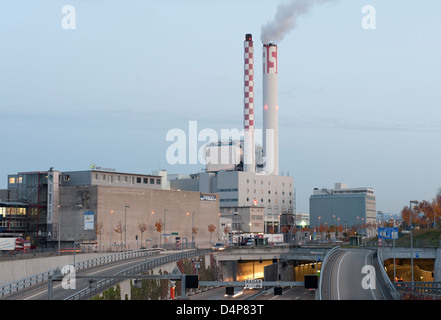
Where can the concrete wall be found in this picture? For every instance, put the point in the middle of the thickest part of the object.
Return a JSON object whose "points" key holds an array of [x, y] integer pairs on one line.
{"points": [[437, 266]]}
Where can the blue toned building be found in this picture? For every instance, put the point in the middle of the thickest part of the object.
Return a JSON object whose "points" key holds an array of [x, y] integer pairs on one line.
{"points": [[349, 208]]}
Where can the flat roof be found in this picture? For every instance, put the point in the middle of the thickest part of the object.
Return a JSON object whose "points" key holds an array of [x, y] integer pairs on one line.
{"points": [[114, 172]]}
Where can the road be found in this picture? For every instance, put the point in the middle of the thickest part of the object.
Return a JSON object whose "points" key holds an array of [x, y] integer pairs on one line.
{"points": [[353, 274], [290, 293], [40, 291]]}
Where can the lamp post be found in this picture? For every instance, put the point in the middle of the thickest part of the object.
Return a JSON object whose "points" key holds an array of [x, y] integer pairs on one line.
{"points": [[411, 242], [125, 227], [111, 230], [79, 207], [59, 228], [165, 233]]}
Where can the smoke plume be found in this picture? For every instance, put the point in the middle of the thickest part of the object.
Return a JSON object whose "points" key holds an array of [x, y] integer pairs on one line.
{"points": [[286, 19]]}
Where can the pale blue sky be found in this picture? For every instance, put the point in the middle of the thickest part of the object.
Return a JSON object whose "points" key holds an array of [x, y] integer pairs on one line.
{"points": [[356, 106]]}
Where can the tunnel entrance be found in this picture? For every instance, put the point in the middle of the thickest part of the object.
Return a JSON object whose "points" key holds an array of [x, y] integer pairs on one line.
{"points": [[423, 269]]}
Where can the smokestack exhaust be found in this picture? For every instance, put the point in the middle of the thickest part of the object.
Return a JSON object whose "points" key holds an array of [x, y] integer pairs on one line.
{"points": [[270, 110], [249, 164]]}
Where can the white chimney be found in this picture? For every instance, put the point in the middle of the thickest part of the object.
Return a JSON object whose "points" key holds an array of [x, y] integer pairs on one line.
{"points": [[270, 110]]}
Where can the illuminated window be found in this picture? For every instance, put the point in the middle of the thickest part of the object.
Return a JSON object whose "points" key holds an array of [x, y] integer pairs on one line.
{"points": [[12, 180]]}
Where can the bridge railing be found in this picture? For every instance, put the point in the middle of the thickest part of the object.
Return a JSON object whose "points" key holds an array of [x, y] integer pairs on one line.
{"points": [[15, 286], [142, 267], [390, 286], [325, 260], [422, 290]]}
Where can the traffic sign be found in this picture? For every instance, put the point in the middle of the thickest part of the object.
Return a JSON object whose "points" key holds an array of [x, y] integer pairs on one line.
{"points": [[388, 233], [253, 284]]}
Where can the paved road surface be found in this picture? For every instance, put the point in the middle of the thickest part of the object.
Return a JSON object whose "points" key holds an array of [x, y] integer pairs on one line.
{"points": [[353, 274]]}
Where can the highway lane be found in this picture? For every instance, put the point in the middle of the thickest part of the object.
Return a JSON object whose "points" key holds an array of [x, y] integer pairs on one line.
{"points": [[40, 291], [289, 293], [353, 274], [219, 294]]}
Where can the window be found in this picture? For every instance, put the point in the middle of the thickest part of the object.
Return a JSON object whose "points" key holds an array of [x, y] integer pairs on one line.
{"points": [[158, 181], [12, 180], [66, 177], [146, 180], [152, 181], [138, 180]]}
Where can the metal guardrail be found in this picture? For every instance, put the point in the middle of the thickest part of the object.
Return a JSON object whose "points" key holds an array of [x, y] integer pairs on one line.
{"points": [[325, 260], [430, 287], [104, 284], [15, 286], [390, 286]]}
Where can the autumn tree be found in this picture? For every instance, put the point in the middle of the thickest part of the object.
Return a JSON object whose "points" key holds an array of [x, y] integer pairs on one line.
{"points": [[99, 230], [119, 229], [159, 225], [142, 227], [425, 213], [194, 231], [211, 229]]}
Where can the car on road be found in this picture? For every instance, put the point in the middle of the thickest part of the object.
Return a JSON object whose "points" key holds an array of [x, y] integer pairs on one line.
{"points": [[219, 246]]}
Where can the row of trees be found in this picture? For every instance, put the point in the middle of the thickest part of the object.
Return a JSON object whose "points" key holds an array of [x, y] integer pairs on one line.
{"points": [[425, 214], [142, 227]]}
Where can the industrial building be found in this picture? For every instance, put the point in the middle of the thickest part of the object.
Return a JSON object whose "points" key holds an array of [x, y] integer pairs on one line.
{"points": [[106, 209], [350, 208], [242, 173]]}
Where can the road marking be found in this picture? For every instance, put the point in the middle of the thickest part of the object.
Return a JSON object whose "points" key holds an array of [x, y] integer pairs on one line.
{"points": [[338, 275], [365, 263]]}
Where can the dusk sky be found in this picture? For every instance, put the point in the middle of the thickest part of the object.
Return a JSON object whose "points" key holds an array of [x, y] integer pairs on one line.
{"points": [[357, 106]]}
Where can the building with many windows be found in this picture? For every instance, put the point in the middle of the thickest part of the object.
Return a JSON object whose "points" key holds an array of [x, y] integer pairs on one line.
{"points": [[350, 208], [237, 189]]}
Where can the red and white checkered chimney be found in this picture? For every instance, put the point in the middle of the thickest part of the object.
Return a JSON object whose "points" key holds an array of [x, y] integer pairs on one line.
{"points": [[249, 164]]}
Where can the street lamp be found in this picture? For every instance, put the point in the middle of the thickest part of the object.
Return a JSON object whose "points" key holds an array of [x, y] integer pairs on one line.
{"points": [[411, 242], [79, 207], [192, 226], [111, 230], [125, 227], [59, 228], [165, 234]]}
